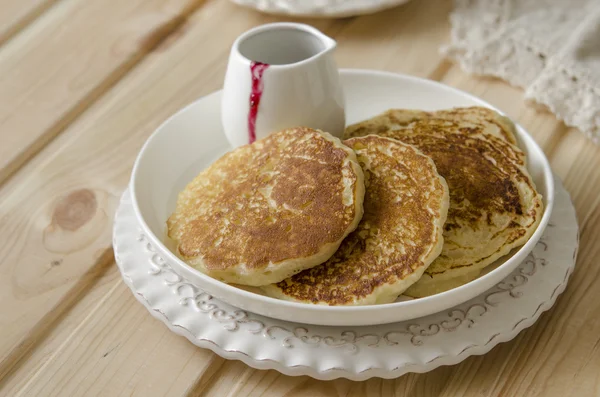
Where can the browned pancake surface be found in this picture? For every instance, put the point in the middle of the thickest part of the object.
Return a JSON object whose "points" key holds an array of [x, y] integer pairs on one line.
{"points": [[474, 120], [494, 205], [399, 235], [284, 197]]}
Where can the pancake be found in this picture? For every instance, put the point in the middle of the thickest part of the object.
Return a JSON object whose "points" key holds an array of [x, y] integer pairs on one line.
{"points": [[266, 211], [474, 121], [494, 206], [400, 234]]}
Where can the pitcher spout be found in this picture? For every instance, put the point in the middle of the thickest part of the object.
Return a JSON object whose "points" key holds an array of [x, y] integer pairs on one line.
{"points": [[328, 43]]}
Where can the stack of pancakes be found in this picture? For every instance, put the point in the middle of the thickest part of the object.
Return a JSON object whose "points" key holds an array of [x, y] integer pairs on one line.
{"points": [[411, 202]]}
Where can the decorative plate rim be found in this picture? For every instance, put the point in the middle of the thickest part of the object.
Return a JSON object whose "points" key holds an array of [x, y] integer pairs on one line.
{"points": [[334, 371], [320, 8]]}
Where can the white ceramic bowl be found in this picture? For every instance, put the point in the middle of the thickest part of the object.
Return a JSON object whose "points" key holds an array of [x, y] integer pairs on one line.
{"points": [[193, 138]]}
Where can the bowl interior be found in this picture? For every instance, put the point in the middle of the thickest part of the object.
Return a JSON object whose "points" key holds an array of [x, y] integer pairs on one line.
{"points": [[193, 138]]}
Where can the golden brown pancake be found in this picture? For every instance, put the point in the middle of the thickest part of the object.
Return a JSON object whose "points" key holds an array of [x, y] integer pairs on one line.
{"points": [[265, 211], [494, 205], [470, 120], [400, 234]]}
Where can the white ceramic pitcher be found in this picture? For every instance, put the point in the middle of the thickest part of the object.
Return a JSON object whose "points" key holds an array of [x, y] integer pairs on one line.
{"points": [[281, 75]]}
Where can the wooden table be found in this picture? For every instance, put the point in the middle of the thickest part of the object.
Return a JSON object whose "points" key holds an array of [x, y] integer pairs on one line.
{"points": [[84, 82]]}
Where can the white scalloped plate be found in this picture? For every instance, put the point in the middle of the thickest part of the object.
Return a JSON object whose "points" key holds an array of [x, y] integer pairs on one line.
{"points": [[320, 8], [357, 353]]}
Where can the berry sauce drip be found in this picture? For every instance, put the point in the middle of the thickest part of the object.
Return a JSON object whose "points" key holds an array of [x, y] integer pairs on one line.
{"points": [[256, 70]]}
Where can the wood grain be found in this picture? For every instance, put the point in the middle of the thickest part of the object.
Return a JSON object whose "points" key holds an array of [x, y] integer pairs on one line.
{"points": [[17, 14], [71, 327], [60, 64], [53, 338], [50, 244], [108, 353]]}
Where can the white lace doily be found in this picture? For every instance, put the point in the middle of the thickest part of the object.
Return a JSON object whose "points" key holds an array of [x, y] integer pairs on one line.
{"points": [[357, 353], [551, 48]]}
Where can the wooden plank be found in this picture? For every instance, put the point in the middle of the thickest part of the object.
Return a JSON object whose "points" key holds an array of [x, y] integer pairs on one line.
{"points": [[55, 68], [171, 77], [56, 335], [392, 41], [87, 362], [50, 246], [171, 355], [17, 14]]}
